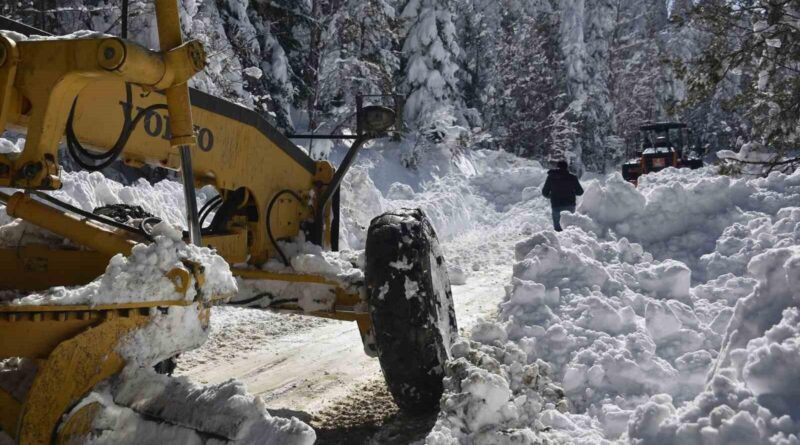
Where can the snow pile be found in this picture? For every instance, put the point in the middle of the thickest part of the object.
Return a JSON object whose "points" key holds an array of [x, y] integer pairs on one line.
{"points": [[752, 396], [494, 394], [142, 276], [648, 292], [225, 412], [615, 324], [681, 214]]}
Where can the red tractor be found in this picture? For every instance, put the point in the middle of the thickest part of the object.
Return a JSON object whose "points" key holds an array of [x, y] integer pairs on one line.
{"points": [[663, 144]]}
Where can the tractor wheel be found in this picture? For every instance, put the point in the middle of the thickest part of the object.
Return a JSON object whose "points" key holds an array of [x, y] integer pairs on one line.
{"points": [[411, 307]]}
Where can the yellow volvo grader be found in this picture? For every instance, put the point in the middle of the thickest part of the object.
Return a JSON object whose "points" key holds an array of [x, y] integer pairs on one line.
{"points": [[112, 100]]}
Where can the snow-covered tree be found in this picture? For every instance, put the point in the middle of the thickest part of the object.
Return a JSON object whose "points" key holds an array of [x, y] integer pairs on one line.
{"points": [[429, 57], [530, 105], [265, 73], [755, 45], [590, 82], [359, 57], [635, 67], [478, 24]]}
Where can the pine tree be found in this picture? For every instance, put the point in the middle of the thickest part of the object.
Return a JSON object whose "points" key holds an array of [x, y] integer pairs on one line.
{"points": [[360, 57], [635, 73], [265, 74], [531, 106], [430, 51], [478, 25]]}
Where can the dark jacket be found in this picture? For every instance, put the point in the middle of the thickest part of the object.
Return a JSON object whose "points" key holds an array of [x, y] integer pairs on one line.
{"points": [[561, 187]]}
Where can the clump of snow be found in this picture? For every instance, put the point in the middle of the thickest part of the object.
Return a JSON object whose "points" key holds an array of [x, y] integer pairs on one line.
{"points": [[169, 333], [494, 393], [344, 268], [457, 274], [142, 276], [253, 71], [133, 400], [399, 190], [7, 147]]}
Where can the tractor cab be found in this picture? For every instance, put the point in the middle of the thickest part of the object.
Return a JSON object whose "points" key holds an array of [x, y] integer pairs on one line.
{"points": [[661, 145]]}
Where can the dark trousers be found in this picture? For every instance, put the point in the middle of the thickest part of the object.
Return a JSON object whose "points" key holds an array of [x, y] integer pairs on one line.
{"points": [[557, 214]]}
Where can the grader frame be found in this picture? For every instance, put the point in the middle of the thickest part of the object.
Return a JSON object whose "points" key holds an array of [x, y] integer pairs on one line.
{"points": [[90, 88]]}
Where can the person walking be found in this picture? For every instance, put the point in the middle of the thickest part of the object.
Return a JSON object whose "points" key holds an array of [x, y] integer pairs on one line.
{"points": [[561, 187]]}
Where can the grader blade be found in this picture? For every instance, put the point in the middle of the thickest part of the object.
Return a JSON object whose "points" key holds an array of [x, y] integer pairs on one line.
{"points": [[69, 371]]}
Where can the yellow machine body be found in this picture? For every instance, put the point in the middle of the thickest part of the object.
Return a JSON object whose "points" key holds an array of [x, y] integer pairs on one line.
{"points": [[233, 149]]}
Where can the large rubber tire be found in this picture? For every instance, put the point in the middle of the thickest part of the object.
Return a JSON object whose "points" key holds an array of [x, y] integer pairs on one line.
{"points": [[411, 307]]}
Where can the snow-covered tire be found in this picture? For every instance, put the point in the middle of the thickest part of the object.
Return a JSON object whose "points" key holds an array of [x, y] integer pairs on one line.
{"points": [[411, 307]]}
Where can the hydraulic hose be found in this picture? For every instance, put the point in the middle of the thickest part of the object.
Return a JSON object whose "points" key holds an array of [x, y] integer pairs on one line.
{"points": [[79, 153], [209, 207], [90, 215], [269, 226]]}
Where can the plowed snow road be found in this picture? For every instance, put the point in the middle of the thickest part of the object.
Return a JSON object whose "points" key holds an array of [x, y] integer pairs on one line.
{"points": [[315, 369], [308, 364]]}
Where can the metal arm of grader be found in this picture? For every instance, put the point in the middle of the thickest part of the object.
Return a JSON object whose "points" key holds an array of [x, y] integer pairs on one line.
{"points": [[39, 81], [76, 346]]}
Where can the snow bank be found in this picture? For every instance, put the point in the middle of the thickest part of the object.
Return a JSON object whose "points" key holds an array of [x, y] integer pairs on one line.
{"points": [[646, 294], [752, 395], [494, 394], [472, 199], [683, 214]]}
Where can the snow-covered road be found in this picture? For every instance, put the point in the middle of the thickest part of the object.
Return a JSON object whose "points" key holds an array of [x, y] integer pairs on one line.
{"points": [[305, 366]]}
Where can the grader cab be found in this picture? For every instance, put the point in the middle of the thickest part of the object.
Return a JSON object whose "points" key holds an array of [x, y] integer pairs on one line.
{"points": [[662, 145], [111, 100]]}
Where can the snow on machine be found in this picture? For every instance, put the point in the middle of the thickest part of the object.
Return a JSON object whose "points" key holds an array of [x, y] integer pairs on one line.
{"points": [[111, 99], [663, 144]]}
